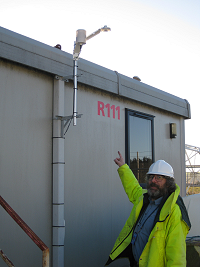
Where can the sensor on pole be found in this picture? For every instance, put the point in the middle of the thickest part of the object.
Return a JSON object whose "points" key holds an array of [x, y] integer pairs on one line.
{"points": [[80, 41]]}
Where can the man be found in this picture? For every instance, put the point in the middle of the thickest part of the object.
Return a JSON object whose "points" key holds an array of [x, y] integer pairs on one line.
{"points": [[155, 232]]}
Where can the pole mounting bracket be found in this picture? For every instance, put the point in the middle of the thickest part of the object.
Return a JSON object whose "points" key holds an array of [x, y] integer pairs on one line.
{"points": [[65, 78], [65, 121]]}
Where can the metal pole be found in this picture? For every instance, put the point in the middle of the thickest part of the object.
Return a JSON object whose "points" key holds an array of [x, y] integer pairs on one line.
{"points": [[5, 258], [75, 91], [45, 258], [93, 34]]}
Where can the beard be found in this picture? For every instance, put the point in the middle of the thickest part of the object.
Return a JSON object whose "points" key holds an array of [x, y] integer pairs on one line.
{"points": [[155, 194]]}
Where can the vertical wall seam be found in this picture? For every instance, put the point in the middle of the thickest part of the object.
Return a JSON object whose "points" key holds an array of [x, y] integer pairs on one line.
{"points": [[119, 86]]}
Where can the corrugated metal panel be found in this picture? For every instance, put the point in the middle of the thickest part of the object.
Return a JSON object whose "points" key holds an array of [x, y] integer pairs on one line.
{"points": [[26, 51], [154, 97], [34, 54]]}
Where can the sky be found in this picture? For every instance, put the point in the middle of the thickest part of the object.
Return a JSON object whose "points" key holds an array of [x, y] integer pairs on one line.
{"points": [[156, 40]]}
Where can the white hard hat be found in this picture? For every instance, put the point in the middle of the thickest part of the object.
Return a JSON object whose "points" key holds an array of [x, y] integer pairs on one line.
{"points": [[161, 167]]}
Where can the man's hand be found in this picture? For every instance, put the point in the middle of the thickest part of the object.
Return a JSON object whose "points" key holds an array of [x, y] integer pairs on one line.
{"points": [[119, 161]]}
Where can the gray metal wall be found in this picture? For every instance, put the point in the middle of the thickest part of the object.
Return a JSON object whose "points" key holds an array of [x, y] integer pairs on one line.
{"points": [[25, 160], [96, 206]]}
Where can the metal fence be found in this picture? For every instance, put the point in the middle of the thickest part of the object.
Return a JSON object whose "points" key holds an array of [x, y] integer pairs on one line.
{"points": [[28, 231]]}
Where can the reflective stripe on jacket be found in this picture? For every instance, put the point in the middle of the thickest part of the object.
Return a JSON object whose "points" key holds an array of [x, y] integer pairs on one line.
{"points": [[166, 244]]}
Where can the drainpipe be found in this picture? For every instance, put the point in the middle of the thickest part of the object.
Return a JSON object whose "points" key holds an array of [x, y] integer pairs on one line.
{"points": [[58, 176]]}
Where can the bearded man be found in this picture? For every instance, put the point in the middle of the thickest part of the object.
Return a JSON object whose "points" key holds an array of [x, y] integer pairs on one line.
{"points": [[154, 234]]}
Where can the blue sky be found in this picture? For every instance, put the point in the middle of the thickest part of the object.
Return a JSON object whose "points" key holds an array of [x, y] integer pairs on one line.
{"points": [[157, 40]]}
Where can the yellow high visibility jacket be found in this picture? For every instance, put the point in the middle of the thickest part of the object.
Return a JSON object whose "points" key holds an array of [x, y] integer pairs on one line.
{"points": [[166, 246]]}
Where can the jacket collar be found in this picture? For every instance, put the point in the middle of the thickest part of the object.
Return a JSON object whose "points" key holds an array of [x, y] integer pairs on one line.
{"points": [[169, 202]]}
